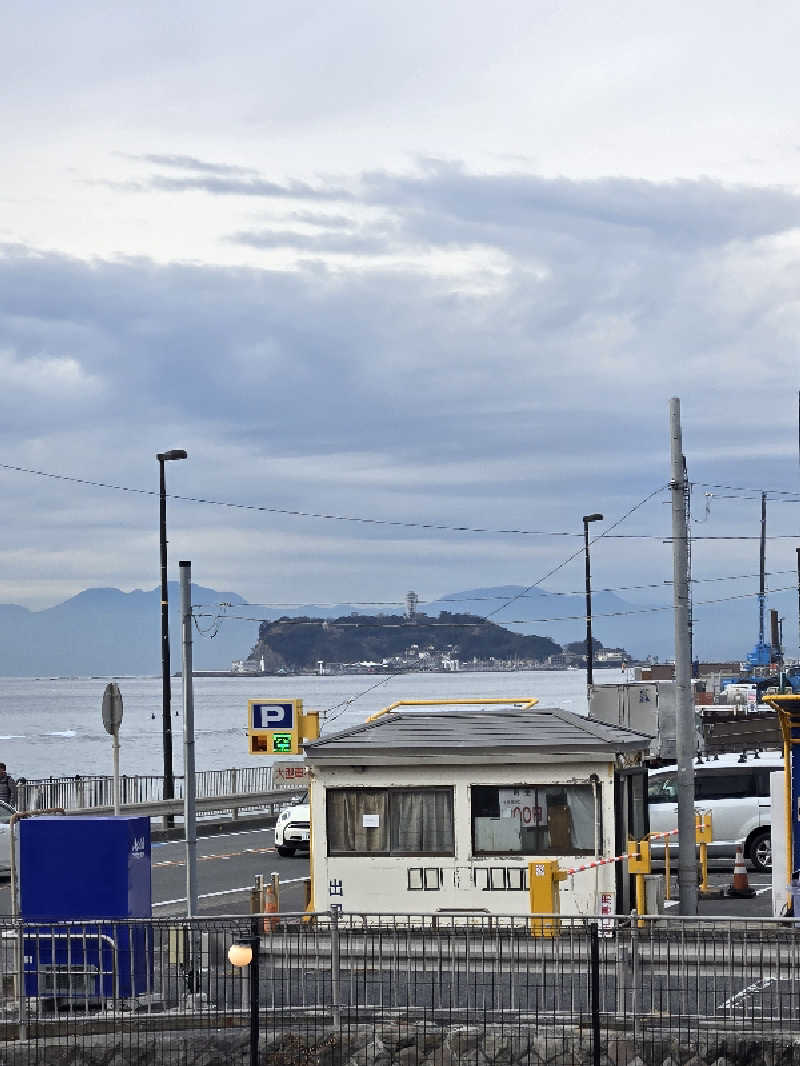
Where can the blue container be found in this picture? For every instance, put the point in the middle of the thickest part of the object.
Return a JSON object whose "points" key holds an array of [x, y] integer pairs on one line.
{"points": [[87, 871]]}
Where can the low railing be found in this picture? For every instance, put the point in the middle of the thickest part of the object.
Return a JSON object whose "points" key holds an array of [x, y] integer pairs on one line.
{"points": [[423, 988], [87, 790]]}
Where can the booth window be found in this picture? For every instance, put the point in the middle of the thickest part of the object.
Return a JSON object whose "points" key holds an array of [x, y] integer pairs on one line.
{"points": [[390, 821], [533, 820]]}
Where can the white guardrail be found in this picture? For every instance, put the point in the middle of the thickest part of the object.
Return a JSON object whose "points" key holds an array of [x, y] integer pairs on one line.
{"points": [[233, 801]]}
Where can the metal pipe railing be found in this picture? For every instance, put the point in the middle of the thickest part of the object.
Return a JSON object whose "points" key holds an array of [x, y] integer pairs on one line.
{"points": [[96, 790]]}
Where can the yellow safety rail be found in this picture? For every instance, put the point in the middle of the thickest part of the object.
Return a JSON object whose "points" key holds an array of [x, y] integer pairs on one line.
{"points": [[522, 704], [788, 708]]}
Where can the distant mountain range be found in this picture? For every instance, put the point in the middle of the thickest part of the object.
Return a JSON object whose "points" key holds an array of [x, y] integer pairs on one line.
{"points": [[112, 633], [107, 632]]}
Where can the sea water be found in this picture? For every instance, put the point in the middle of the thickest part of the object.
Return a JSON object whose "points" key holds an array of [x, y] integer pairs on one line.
{"points": [[52, 727]]}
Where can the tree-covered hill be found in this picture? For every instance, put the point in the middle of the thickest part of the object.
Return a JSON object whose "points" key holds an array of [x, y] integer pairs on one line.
{"points": [[300, 643]]}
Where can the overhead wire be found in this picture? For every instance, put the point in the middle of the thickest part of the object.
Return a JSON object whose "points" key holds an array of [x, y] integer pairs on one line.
{"points": [[387, 522], [580, 550], [744, 488], [321, 515], [400, 601], [367, 623]]}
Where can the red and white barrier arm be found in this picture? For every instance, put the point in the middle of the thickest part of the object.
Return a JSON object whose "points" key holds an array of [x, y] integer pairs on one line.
{"points": [[618, 858]]}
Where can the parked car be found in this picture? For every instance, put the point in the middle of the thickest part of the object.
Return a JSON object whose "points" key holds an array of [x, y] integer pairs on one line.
{"points": [[5, 838], [293, 828], [736, 791]]}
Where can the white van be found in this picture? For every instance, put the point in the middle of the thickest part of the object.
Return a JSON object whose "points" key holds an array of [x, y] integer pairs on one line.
{"points": [[735, 788]]}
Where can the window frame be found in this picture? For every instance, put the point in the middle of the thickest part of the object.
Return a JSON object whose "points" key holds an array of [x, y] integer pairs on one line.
{"points": [[388, 792], [537, 786], [660, 778]]}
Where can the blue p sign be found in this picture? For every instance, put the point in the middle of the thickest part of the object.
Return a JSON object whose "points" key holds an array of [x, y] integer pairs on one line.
{"points": [[273, 715]]}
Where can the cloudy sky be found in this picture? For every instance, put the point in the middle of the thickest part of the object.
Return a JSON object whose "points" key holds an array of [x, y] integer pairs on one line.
{"points": [[438, 264]]}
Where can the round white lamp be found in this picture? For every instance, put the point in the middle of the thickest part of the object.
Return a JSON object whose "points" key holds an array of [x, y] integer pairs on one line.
{"points": [[240, 954]]}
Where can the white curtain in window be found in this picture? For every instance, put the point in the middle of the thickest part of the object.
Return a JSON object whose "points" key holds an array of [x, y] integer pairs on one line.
{"points": [[422, 822], [346, 830]]}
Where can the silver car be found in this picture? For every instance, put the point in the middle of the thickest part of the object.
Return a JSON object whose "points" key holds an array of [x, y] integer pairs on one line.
{"points": [[5, 838], [737, 792]]}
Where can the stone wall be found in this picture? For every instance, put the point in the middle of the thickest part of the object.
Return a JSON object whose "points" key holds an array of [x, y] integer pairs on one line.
{"points": [[399, 1044]]}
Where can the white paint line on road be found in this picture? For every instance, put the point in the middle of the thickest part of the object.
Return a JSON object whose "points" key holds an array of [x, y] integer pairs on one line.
{"points": [[213, 836], [746, 993], [204, 895], [208, 858]]}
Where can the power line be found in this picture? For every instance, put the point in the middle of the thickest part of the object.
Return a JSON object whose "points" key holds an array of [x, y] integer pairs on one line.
{"points": [[322, 515], [575, 554], [420, 626], [400, 601], [744, 488]]}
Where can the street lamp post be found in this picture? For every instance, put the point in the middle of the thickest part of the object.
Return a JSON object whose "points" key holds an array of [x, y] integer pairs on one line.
{"points": [[246, 952], [587, 518], [166, 685]]}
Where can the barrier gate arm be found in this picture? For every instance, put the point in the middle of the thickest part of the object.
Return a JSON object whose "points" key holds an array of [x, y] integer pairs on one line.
{"points": [[546, 874]]}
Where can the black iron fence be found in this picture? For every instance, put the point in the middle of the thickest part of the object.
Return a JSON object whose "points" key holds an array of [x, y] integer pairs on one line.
{"points": [[375, 990], [97, 790]]}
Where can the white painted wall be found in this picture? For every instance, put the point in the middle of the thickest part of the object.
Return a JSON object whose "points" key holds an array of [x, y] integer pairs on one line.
{"points": [[381, 883]]}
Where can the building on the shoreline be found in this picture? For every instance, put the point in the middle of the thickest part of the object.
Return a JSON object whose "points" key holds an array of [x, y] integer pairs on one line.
{"points": [[444, 810]]}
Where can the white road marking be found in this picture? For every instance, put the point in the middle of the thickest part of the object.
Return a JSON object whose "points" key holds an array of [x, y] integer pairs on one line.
{"points": [[203, 895], [745, 993], [225, 856]]}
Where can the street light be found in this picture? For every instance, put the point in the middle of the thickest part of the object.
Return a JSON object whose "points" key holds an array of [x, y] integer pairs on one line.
{"points": [[166, 685], [587, 518], [246, 953]]}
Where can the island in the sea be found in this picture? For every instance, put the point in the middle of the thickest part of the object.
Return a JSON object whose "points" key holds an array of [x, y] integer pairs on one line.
{"points": [[358, 643]]}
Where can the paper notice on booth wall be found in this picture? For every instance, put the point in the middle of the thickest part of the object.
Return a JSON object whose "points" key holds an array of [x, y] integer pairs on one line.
{"points": [[371, 821]]}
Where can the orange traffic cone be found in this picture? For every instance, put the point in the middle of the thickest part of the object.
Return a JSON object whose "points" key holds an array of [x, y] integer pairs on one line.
{"points": [[270, 907], [740, 887]]}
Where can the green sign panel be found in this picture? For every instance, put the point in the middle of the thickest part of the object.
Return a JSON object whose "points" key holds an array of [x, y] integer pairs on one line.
{"points": [[282, 743]]}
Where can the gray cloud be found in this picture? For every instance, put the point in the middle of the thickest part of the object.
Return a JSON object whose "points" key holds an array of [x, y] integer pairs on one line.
{"points": [[325, 221], [188, 162], [257, 187], [446, 204], [447, 201], [518, 397], [335, 243]]}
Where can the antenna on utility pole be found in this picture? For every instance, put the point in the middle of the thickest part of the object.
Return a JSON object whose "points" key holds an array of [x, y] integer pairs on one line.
{"points": [[684, 706]]}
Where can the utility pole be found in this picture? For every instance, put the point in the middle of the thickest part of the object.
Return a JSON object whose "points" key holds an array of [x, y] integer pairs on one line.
{"points": [[189, 817], [587, 518], [684, 707], [762, 569]]}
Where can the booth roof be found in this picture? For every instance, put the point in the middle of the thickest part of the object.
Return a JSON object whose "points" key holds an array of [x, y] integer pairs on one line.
{"points": [[537, 731]]}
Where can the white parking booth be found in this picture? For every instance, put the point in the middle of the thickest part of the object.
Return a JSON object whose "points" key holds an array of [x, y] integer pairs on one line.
{"points": [[443, 810]]}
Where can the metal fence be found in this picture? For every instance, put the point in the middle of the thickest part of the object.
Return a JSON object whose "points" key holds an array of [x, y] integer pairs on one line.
{"points": [[406, 989], [83, 791]]}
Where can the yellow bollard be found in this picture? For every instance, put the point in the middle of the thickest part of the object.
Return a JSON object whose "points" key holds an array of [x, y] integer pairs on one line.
{"points": [[543, 878], [639, 865], [702, 836]]}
